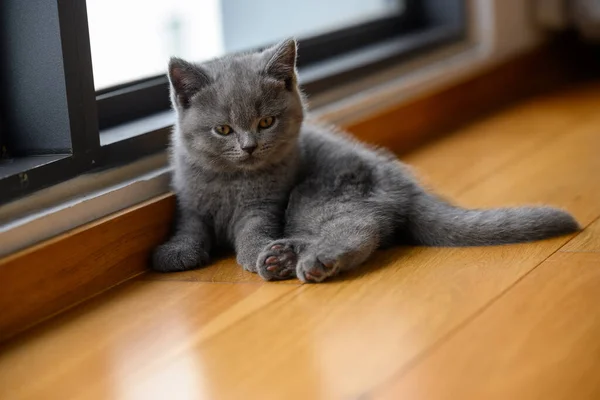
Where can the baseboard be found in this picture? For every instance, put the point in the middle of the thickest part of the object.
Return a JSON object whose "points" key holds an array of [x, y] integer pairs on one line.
{"points": [[407, 126], [45, 279], [42, 280]]}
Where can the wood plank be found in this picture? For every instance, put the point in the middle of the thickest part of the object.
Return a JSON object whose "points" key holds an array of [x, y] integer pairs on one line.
{"points": [[586, 241], [42, 280], [540, 341], [137, 337], [110, 337], [339, 339], [456, 162], [561, 173]]}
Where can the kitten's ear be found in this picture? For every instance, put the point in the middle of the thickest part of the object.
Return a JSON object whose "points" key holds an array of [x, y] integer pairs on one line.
{"points": [[186, 80], [281, 62]]}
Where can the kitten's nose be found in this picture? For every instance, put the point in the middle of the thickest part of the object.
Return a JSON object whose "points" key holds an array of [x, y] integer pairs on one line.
{"points": [[249, 148]]}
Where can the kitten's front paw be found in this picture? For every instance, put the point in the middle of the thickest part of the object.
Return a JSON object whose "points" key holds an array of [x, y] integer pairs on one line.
{"points": [[277, 261], [179, 255]]}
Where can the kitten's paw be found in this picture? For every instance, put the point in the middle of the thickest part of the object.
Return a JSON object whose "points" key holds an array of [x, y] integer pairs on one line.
{"points": [[316, 268], [179, 255], [277, 261]]}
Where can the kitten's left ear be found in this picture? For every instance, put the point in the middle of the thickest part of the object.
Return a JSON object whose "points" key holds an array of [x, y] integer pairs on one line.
{"points": [[281, 62]]}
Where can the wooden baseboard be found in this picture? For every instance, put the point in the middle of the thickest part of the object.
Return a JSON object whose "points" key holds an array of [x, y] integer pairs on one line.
{"points": [[407, 126], [47, 278], [42, 280]]}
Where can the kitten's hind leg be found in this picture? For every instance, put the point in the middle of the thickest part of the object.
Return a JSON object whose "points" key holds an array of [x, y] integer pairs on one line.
{"points": [[345, 243]]}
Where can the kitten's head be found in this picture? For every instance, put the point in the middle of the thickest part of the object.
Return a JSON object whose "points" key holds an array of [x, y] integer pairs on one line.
{"points": [[239, 112]]}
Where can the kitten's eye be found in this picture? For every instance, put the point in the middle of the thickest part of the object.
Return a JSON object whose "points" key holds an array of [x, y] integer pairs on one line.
{"points": [[223, 129], [266, 122]]}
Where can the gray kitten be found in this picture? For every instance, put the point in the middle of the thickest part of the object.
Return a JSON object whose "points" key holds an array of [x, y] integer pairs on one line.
{"points": [[296, 199]]}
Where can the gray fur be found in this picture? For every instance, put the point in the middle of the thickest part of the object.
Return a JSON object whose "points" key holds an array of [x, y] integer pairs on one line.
{"points": [[309, 202]]}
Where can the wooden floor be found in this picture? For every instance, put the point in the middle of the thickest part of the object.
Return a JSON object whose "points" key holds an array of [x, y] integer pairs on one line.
{"points": [[509, 322]]}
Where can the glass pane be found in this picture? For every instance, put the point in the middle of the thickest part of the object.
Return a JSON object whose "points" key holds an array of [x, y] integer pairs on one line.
{"points": [[133, 39]]}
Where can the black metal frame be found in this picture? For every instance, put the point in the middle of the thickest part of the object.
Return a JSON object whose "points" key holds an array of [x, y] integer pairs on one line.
{"points": [[325, 60]]}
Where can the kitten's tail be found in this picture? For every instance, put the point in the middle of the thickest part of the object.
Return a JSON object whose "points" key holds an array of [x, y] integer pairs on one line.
{"points": [[434, 222]]}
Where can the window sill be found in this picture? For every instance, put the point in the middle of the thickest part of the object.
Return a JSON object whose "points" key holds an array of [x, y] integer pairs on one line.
{"points": [[158, 122]]}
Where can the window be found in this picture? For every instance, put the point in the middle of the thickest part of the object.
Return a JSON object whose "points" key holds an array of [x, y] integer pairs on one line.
{"points": [[200, 30], [84, 86]]}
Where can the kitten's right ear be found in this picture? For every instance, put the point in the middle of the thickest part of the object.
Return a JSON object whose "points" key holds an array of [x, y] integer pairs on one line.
{"points": [[186, 80]]}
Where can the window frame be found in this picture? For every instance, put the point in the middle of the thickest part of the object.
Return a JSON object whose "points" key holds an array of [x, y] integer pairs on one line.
{"points": [[100, 123]]}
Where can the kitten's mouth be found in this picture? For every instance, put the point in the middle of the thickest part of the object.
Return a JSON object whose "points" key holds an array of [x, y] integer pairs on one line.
{"points": [[252, 162], [249, 159]]}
